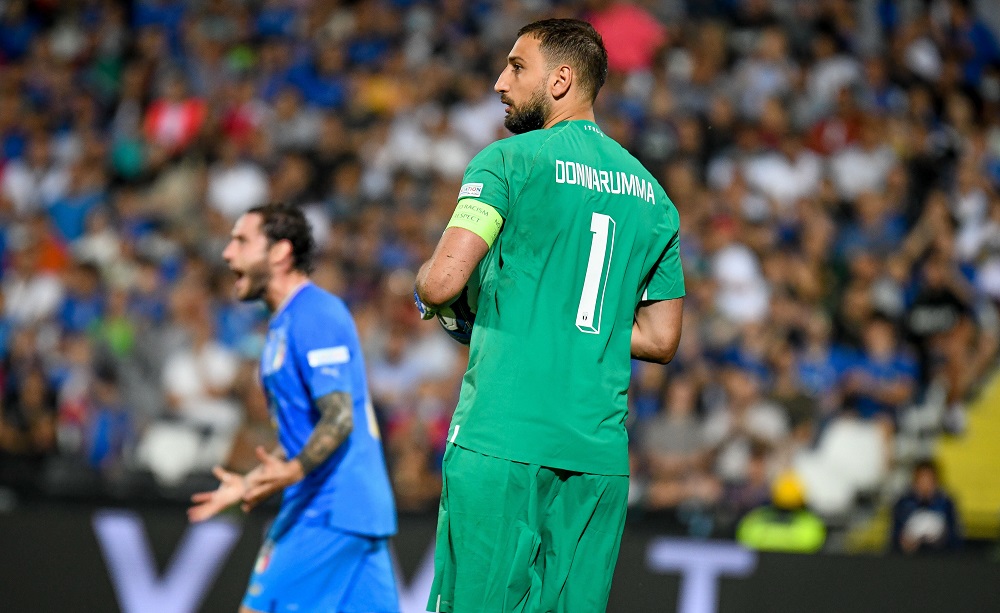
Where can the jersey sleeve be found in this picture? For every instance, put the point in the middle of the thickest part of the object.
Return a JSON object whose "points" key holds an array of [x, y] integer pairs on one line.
{"points": [[486, 179], [666, 279], [323, 353]]}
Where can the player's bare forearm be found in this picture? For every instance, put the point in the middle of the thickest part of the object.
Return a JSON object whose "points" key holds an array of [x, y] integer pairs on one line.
{"points": [[275, 474], [647, 350], [656, 331], [456, 256], [436, 280], [421, 283], [334, 426]]}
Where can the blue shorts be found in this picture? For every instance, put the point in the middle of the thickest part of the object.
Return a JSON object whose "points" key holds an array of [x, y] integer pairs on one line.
{"points": [[313, 567]]}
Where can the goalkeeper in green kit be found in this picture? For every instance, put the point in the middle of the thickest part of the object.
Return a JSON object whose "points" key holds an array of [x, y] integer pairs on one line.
{"points": [[571, 246]]}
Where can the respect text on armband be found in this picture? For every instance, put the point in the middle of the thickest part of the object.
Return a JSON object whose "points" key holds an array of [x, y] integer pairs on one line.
{"points": [[479, 218]]}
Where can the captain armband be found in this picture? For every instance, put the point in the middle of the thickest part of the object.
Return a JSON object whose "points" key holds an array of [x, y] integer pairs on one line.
{"points": [[479, 218]]}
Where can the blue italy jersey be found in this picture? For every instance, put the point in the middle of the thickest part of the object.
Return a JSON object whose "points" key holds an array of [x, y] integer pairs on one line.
{"points": [[312, 349]]}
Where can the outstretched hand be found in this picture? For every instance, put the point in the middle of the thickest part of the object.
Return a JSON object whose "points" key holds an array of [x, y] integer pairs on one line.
{"points": [[207, 504], [272, 476]]}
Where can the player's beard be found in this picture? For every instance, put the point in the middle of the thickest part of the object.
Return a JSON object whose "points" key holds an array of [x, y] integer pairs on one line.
{"points": [[529, 116], [256, 277]]}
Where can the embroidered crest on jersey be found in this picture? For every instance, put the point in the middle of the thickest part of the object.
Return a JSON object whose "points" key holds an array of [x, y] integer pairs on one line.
{"points": [[275, 350], [264, 559]]}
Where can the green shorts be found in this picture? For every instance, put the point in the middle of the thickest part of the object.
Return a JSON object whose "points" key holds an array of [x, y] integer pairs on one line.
{"points": [[523, 538]]}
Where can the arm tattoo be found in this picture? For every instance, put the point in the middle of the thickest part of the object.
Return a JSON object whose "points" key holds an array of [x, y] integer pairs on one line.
{"points": [[335, 423]]}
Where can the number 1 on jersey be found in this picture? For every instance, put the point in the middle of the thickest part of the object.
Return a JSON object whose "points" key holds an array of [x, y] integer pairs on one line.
{"points": [[588, 315]]}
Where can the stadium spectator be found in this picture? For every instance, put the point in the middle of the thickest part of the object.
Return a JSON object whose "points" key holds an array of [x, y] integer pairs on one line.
{"points": [[785, 174], [125, 126], [7, 327], [865, 166], [631, 34], [743, 419], [924, 518], [291, 126], [115, 331], [987, 252], [17, 30], [876, 230], [35, 180], [394, 374], [789, 392], [417, 439], [878, 93], [73, 374], [750, 492], [234, 184], [820, 362], [175, 120], [475, 117], [110, 430], [244, 114], [841, 128], [784, 525], [84, 194], [83, 302], [882, 379], [743, 294], [255, 429], [99, 244], [673, 451], [27, 424], [320, 77], [32, 294], [767, 73], [971, 39], [832, 70], [198, 378], [147, 295]]}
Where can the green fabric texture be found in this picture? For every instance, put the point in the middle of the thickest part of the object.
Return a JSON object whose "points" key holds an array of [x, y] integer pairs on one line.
{"points": [[587, 234], [522, 538]]}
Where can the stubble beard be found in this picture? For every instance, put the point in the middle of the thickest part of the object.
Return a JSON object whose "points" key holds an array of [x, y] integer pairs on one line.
{"points": [[529, 116], [257, 278]]}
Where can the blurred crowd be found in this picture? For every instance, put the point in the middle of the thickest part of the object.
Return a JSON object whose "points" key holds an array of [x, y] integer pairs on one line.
{"points": [[835, 164]]}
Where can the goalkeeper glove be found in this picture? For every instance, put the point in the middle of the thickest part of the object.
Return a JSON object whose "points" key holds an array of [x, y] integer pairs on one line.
{"points": [[426, 312]]}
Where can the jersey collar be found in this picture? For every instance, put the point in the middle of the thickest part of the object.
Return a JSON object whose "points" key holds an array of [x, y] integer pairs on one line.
{"points": [[291, 296], [582, 122]]}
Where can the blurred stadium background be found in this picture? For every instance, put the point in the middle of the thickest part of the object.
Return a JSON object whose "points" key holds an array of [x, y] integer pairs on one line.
{"points": [[836, 165]]}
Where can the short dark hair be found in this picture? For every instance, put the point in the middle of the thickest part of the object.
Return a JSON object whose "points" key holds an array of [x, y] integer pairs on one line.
{"points": [[576, 43], [286, 222], [929, 465]]}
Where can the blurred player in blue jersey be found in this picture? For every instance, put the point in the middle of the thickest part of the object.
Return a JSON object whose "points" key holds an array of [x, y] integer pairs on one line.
{"points": [[328, 548]]}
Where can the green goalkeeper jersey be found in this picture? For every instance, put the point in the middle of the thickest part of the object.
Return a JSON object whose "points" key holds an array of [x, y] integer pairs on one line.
{"points": [[587, 234]]}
